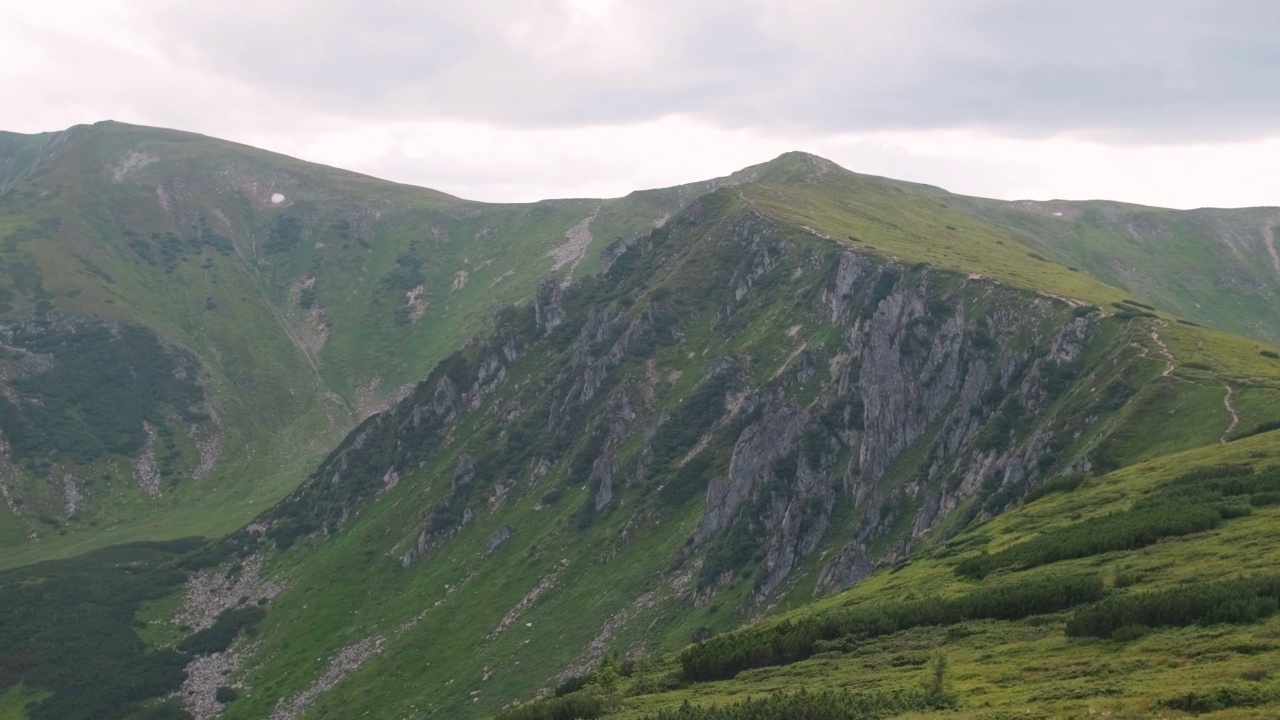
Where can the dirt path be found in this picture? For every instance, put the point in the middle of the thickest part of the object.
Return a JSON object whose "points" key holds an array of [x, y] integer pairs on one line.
{"points": [[1170, 363], [1235, 416]]}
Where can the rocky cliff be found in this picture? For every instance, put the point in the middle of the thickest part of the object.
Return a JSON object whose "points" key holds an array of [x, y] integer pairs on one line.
{"points": [[738, 412]]}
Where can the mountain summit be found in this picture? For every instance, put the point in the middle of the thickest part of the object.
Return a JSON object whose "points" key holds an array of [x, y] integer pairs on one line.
{"points": [[451, 455]]}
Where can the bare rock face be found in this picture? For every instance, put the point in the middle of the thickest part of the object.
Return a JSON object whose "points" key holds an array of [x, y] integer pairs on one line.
{"points": [[910, 371], [610, 255], [798, 523], [548, 305], [851, 268], [498, 537], [602, 471], [851, 565], [464, 472], [759, 445]]}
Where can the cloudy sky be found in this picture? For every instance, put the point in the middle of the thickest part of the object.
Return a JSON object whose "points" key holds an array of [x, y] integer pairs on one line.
{"points": [[1173, 103]]}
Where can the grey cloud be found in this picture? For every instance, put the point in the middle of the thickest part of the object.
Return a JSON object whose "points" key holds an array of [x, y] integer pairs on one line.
{"points": [[1178, 70]]}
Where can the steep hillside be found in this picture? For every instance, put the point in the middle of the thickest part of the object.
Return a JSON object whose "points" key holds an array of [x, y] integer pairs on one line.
{"points": [[187, 325], [1212, 266], [246, 309], [740, 414], [1172, 612], [803, 381], [1215, 267]]}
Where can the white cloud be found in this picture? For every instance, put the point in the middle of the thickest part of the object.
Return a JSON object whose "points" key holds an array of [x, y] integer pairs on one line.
{"points": [[516, 100]]}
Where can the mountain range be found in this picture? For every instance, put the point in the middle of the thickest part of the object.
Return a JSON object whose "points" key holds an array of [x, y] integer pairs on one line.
{"points": [[312, 444]]}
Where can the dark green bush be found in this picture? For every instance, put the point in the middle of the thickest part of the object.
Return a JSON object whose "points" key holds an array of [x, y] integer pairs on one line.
{"points": [[104, 383], [67, 628], [1238, 601], [1126, 530], [572, 685], [1260, 428], [802, 705], [1223, 698], [223, 632], [284, 235], [724, 656], [691, 418], [1061, 484], [225, 694], [1116, 394]]}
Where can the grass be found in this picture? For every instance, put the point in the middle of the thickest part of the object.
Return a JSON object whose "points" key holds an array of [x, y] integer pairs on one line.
{"points": [[1208, 266], [1030, 667], [619, 586], [14, 701], [283, 398], [625, 579]]}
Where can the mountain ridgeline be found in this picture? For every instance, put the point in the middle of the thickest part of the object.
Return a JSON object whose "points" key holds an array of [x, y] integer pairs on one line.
{"points": [[188, 325], [478, 454], [738, 413]]}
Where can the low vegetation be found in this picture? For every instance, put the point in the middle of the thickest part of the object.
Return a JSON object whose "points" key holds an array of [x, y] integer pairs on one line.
{"points": [[790, 641], [829, 705], [1244, 600], [67, 628], [1127, 530]]}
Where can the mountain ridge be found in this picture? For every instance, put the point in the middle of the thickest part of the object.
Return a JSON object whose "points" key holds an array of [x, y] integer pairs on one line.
{"points": [[357, 498], [905, 219], [602, 429]]}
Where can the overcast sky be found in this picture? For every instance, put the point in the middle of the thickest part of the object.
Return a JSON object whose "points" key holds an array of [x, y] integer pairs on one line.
{"points": [[1173, 103]]}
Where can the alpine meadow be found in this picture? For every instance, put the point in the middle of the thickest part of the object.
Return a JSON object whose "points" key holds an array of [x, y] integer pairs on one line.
{"points": [[283, 441]]}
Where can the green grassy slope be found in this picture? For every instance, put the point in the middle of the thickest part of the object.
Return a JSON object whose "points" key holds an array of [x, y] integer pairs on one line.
{"points": [[303, 315], [918, 367], [1216, 267], [1031, 667], [307, 314], [625, 578]]}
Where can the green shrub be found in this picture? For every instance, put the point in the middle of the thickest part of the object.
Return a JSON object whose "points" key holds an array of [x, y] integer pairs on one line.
{"points": [[225, 694], [1236, 601], [1116, 394], [1135, 303], [67, 628], [1260, 428], [691, 418], [724, 656], [802, 705], [104, 383], [284, 235], [1223, 698], [1061, 484], [223, 632], [1126, 530]]}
